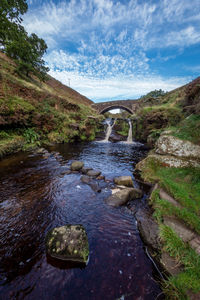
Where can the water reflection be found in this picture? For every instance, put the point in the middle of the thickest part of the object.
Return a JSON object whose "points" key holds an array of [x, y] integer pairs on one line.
{"points": [[37, 195]]}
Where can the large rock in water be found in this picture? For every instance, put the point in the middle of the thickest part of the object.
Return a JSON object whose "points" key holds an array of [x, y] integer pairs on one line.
{"points": [[121, 197], [148, 229], [68, 243], [76, 165], [124, 180]]}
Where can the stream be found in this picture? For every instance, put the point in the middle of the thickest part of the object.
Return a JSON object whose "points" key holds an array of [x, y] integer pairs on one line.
{"points": [[37, 195]]}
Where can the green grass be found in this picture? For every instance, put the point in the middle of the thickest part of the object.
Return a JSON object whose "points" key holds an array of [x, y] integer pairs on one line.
{"points": [[184, 185], [164, 208], [176, 287], [189, 129]]}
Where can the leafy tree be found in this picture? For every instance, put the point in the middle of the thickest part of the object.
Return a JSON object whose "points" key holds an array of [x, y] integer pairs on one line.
{"points": [[10, 18], [26, 50]]}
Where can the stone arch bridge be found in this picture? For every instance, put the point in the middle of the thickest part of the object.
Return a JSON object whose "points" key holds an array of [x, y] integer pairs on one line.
{"points": [[129, 105]]}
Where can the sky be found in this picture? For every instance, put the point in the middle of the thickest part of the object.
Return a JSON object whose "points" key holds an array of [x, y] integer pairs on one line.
{"points": [[110, 50]]}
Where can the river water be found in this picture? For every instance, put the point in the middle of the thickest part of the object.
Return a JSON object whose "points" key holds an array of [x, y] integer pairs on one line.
{"points": [[36, 195]]}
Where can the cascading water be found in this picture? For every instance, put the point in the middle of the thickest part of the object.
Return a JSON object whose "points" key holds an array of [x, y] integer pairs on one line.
{"points": [[130, 133], [108, 130]]}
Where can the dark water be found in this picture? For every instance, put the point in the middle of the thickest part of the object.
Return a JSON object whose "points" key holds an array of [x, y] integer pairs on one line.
{"points": [[36, 196]]}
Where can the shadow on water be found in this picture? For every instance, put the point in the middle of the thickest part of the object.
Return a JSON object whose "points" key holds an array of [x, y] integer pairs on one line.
{"points": [[37, 195]]}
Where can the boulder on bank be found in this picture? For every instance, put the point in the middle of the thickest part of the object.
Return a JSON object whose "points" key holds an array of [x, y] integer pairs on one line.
{"points": [[121, 197], [124, 180], [77, 165], [166, 161], [69, 243], [170, 145]]}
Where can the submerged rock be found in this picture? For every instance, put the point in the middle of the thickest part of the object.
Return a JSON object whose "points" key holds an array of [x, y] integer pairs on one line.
{"points": [[85, 179], [68, 243], [124, 180], [121, 197], [85, 170], [77, 165]]}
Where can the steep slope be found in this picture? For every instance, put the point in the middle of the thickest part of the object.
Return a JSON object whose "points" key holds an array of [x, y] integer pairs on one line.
{"points": [[171, 126], [34, 112]]}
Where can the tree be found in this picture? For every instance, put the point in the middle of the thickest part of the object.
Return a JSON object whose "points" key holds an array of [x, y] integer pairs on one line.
{"points": [[26, 50], [154, 94], [10, 18]]}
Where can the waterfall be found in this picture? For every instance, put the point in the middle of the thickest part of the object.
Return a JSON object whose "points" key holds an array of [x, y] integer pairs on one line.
{"points": [[108, 130], [130, 133]]}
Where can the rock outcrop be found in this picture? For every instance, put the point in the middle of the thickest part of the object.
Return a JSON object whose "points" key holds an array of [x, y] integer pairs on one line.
{"points": [[170, 145]]}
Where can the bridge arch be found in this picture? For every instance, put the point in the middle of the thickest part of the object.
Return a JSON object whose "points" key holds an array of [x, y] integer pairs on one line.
{"points": [[106, 109]]}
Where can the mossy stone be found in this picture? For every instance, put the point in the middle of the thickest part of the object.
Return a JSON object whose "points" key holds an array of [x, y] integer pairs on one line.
{"points": [[68, 243]]}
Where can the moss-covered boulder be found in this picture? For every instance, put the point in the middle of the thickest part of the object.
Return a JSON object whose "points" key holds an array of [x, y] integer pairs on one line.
{"points": [[77, 165], [69, 243]]}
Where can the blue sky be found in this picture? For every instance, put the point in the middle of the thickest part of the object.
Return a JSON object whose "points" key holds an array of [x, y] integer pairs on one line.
{"points": [[109, 49]]}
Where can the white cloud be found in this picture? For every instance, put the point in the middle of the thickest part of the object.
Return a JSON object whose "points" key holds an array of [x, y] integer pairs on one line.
{"points": [[102, 45], [118, 87]]}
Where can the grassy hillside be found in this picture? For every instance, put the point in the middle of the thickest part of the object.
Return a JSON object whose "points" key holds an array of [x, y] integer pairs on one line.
{"points": [[33, 112]]}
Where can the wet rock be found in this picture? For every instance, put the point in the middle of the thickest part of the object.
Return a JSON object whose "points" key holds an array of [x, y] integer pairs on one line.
{"points": [[101, 177], [85, 179], [41, 151], [85, 170], [94, 173], [77, 165], [148, 229], [69, 243], [67, 172], [170, 145], [170, 264], [74, 172], [93, 184], [95, 187], [124, 180], [114, 138], [121, 197]]}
